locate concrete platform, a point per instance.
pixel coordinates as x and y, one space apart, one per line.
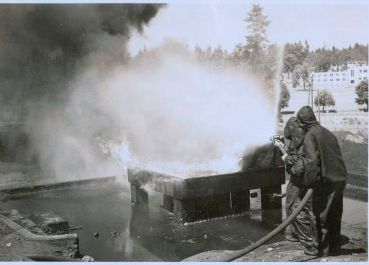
205 197
207 185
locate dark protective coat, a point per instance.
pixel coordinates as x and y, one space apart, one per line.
303 227
326 173
293 162
322 155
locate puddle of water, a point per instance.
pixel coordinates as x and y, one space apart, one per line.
141 233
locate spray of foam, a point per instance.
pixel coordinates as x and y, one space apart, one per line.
179 117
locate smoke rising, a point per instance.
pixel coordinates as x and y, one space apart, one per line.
43 48
66 73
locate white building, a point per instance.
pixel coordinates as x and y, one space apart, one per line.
336 76
340 81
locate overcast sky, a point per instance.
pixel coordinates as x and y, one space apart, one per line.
221 23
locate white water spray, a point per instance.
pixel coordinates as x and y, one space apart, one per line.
182 118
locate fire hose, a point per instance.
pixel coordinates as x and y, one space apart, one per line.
273 233
52 258
60 259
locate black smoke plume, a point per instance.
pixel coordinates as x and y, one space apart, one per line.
42 46
43 49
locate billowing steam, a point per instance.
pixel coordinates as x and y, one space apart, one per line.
177 116
64 71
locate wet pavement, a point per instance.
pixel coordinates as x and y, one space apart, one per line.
113 229
127 232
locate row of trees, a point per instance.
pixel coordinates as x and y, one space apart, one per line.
297 55
256 54
259 56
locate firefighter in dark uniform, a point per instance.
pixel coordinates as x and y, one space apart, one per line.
326 173
302 229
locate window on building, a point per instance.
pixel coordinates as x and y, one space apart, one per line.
352 81
365 71
331 74
337 79
352 72
331 79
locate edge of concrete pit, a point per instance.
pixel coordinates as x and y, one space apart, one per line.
46 237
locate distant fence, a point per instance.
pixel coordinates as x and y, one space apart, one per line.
358 180
357 187
347 121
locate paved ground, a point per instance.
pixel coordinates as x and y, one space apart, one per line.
15 175
353 249
14 247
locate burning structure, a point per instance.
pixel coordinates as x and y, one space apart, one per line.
204 197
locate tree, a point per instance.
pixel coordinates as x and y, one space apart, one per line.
294 54
361 91
218 58
284 96
239 56
199 53
324 98
256 42
270 65
208 53
323 60
301 72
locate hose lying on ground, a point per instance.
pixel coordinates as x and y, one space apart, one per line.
52 258
273 233
62 259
